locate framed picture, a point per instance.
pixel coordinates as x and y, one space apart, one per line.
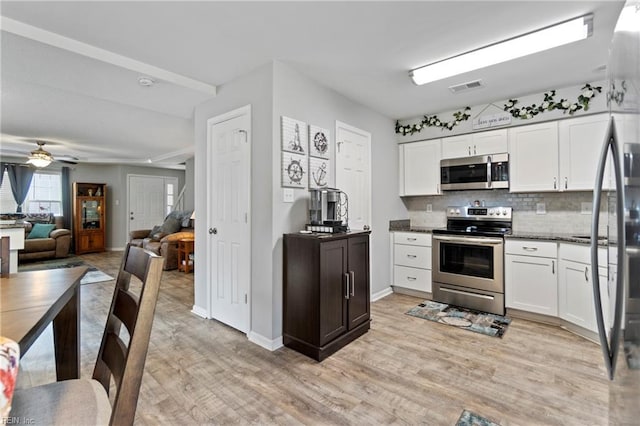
319 172
294 135
319 144
294 170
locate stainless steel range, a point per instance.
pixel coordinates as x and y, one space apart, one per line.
468 258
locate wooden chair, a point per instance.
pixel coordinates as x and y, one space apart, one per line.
4 257
85 401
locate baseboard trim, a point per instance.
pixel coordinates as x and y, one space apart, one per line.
411 292
114 248
264 342
201 312
380 294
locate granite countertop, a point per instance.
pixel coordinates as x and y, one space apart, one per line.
562 237
405 226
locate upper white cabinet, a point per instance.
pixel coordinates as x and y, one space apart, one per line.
557 156
533 157
581 141
420 167
482 143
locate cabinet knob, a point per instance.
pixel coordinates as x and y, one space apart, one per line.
366 227
213 231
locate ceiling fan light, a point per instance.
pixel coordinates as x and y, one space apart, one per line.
517 47
40 158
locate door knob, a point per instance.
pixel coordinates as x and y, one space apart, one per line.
213 230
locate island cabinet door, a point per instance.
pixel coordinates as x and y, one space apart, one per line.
358 270
333 289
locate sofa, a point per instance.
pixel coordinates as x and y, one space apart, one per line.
51 245
163 239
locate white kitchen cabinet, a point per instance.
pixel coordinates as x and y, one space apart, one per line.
420 167
531 276
533 158
412 260
481 143
575 290
580 141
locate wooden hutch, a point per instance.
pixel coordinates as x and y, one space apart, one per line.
89 217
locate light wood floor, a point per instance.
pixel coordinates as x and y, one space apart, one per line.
404 371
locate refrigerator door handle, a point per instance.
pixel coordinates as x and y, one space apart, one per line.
609 348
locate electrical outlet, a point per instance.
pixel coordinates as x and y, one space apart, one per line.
585 208
541 208
429 208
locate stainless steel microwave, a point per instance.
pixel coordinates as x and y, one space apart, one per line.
479 172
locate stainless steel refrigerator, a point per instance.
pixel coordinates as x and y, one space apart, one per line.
616 212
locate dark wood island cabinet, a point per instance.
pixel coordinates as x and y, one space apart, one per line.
326 291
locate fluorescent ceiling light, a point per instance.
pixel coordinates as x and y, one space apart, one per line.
527 44
629 19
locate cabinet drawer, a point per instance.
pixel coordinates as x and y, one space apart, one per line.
412 238
414 256
582 253
531 248
413 278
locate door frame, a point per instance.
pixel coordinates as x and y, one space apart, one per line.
239 112
164 195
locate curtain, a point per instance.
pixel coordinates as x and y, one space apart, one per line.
66 198
2 167
20 178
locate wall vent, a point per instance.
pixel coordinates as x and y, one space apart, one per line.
466 86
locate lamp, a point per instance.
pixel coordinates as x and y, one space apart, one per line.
517 47
40 158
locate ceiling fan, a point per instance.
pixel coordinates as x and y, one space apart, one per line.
41 158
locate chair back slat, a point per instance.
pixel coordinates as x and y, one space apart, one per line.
4 257
126 309
126 362
114 356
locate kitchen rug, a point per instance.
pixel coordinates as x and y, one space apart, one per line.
468 319
467 418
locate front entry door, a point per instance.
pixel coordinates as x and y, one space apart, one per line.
147 200
229 245
353 172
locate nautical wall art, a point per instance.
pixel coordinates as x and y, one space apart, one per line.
319 145
294 170
319 172
294 135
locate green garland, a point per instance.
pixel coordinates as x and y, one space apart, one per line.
548 104
434 121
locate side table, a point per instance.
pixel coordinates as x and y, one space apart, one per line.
185 255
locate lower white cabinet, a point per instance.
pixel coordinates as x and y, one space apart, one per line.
412 260
575 296
531 276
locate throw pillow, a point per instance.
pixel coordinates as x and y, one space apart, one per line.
40 230
155 230
171 225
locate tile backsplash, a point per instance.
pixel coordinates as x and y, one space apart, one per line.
563 210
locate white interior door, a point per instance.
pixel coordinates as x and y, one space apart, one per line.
147 200
353 172
229 246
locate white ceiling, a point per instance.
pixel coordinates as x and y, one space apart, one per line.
97 112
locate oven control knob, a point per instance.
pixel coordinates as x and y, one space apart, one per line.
503 211
491 211
457 211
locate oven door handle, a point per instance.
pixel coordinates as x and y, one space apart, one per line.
477 240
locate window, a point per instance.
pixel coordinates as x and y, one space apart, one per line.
45 194
169 187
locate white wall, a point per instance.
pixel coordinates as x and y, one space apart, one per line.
273 91
299 97
253 89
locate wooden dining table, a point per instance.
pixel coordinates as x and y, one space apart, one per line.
30 301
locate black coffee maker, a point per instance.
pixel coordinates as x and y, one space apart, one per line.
328 210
